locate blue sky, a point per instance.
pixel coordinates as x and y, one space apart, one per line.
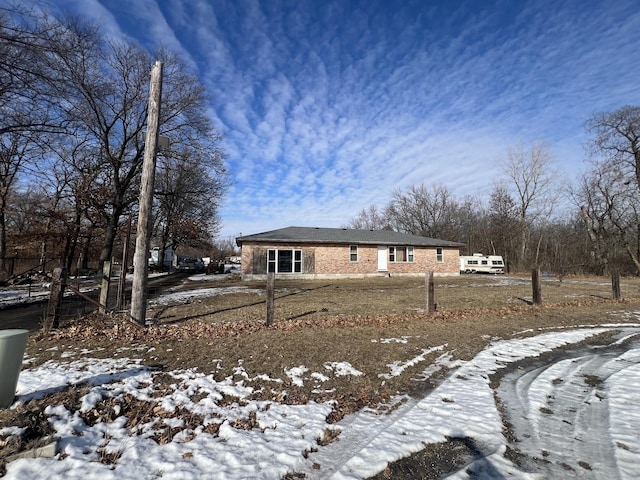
326 107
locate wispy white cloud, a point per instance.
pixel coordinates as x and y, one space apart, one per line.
326 107
92 10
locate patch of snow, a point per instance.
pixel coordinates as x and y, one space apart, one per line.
342 369
283 439
398 367
188 295
295 374
403 339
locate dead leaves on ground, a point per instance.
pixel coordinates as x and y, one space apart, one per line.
120 327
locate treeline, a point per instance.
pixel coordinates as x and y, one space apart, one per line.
73 106
533 217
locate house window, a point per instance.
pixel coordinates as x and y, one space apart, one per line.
439 255
353 253
284 261
401 254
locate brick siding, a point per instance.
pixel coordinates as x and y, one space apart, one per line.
334 260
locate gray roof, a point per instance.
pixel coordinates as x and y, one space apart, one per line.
344 235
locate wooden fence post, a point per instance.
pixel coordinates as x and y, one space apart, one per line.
58 283
535 284
104 290
120 300
429 292
615 284
271 284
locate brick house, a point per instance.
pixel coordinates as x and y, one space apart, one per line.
305 252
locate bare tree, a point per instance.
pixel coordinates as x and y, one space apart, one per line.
106 87
429 212
470 225
15 151
188 191
610 189
608 206
28 84
224 247
616 137
28 102
502 223
532 179
370 218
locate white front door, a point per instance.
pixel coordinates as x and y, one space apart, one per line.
382 259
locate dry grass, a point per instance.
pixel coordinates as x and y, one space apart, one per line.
319 322
317 299
340 321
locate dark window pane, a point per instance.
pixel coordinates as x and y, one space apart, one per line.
285 261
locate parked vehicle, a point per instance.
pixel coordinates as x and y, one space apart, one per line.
154 259
479 263
190 264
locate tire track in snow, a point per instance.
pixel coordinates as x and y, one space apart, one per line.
560 413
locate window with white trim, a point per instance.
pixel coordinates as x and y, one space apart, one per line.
284 261
401 254
439 255
353 253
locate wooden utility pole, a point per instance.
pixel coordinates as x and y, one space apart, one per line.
145 221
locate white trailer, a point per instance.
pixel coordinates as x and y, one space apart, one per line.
479 263
169 262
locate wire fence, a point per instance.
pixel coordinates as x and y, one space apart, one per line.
34 291
18 269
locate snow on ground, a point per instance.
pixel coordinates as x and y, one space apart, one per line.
23 295
187 296
578 413
39 292
579 429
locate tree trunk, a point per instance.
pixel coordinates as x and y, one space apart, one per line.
3 240
58 284
83 260
523 243
71 243
537 260
43 255
598 247
633 256
110 235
